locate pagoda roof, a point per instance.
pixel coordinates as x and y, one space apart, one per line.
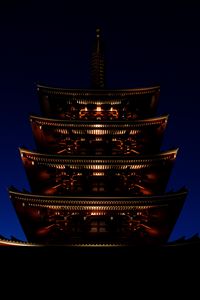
45 158
103 202
112 124
186 243
47 90
4 242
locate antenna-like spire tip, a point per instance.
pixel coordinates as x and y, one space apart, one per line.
98 32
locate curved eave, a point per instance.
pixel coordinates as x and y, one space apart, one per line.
177 243
53 158
34 199
79 123
47 90
11 243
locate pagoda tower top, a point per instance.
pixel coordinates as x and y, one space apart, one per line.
98 63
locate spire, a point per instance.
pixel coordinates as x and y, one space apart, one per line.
97 63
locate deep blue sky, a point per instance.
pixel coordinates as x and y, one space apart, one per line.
146 44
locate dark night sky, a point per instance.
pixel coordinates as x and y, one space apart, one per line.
146 44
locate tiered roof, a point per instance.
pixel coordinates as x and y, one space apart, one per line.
71 103
52 174
73 137
95 202
41 216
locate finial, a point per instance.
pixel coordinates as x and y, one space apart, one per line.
98 32
97 62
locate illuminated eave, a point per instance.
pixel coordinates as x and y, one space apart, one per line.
112 124
12 243
9 242
94 160
89 201
46 90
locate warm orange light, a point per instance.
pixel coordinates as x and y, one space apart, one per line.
151 230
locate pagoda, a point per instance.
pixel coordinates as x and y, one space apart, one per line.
97 176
